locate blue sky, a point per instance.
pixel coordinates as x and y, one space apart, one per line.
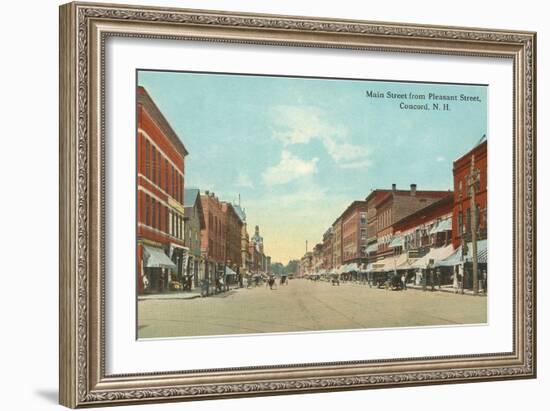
299 150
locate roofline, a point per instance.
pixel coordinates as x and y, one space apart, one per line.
144 98
447 199
465 155
407 193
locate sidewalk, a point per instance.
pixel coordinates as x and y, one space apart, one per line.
444 289
179 295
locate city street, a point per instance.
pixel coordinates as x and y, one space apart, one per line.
305 305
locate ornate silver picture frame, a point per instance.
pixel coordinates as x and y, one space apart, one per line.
85 28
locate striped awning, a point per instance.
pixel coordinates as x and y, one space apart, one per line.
397 241
442 226
155 258
457 258
371 248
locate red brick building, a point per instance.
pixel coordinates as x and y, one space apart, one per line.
233 226
428 227
213 236
337 242
354 232
462 203
161 254
392 206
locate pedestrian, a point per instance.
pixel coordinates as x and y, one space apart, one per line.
455 279
222 284
145 281
404 281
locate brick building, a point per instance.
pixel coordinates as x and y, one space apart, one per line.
354 232
462 203
245 239
327 249
161 252
233 226
428 227
213 236
337 242
396 204
317 258
194 223
372 201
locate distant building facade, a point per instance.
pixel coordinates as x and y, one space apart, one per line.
213 236
327 249
354 232
337 242
194 223
233 226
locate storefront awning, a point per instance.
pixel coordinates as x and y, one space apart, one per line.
393 263
155 258
229 271
372 248
397 241
435 254
457 258
442 226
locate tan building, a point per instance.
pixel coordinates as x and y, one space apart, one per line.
327 249
306 264
337 243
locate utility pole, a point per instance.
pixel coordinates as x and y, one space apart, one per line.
473 181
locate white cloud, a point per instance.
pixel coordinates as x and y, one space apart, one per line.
302 124
243 180
440 159
290 168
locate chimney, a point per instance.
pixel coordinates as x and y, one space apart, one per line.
413 190
394 187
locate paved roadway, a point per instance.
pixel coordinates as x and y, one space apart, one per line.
305 306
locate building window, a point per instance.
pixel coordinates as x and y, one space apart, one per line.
153 213
147 210
166 220
158 169
363 218
173 193
166 187
153 164
147 159
468 220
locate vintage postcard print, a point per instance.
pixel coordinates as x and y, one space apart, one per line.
271 204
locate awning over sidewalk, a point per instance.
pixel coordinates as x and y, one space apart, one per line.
371 248
397 241
394 262
456 257
442 226
435 254
229 271
155 258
